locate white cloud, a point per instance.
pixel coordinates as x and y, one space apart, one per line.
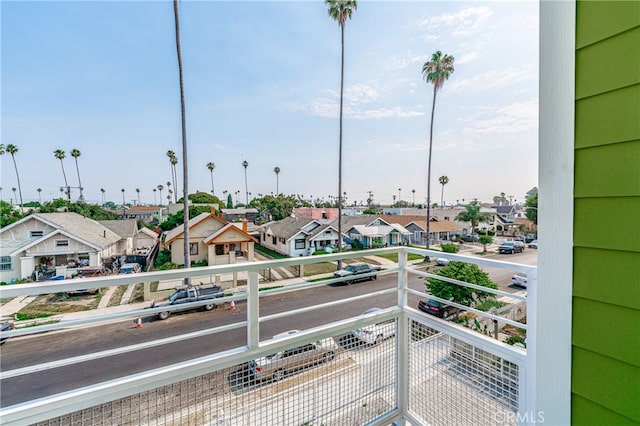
466 58
460 24
494 79
514 118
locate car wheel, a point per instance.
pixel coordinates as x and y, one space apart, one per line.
164 315
349 282
378 340
374 277
278 375
209 307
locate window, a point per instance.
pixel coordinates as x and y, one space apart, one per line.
219 249
193 248
274 240
5 263
62 243
36 233
300 244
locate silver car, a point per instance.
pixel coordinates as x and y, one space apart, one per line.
375 333
280 364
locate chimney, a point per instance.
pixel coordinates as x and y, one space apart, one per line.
244 225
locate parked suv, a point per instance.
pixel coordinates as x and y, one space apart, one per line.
374 334
280 364
130 268
511 247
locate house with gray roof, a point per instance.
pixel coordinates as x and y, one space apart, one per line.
49 240
372 231
297 237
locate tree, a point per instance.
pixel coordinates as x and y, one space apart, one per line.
123 203
39 197
472 214
443 181
531 207
277 172
340 11
436 71
245 164
484 240
211 166
185 181
12 149
160 188
413 192
229 201
138 192
173 160
60 155
500 200
75 153
467 272
8 214
103 191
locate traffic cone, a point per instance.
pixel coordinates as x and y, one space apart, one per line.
138 322
232 306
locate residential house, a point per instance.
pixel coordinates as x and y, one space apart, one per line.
212 239
44 241
318 213
240 214
440 230
298 237
127 230
145 214
372 231
145 238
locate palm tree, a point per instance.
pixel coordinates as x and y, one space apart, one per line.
443 181
173 160
413 191
103 191
340 11
123 202
75 153
277 172
39 198
12 149
245 164
169 189
160 188
138 191
473 215
154 196
14 194
436 71
211 166
60 155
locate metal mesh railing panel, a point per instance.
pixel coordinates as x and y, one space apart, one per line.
451 382
357 386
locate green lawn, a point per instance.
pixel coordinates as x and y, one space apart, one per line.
394 256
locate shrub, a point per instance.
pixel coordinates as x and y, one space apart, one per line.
515 339
319 252
168 265
164 256
450 248
487 304
461 271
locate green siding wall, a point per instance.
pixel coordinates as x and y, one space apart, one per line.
606 279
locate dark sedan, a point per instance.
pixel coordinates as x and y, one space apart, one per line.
436 308
6 326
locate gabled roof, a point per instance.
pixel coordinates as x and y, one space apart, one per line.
148 232
125 228
228 228
365 219
289 227
53 234
178 231
503 209
320 230
380 231
74 226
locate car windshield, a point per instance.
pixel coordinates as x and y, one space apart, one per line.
350 268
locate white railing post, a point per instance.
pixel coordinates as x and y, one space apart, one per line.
253 311
403 339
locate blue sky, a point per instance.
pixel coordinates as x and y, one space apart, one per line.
262 85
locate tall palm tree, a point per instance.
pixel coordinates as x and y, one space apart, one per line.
277 172
75 153
211 166
185 181
39 197
443 181
340 11
123 202
436 71
245 164
138 192
12 149
473 215
103 191
173 160
154 196
413 192
60 155
15 197
160 188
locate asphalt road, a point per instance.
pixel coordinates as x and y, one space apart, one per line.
32 350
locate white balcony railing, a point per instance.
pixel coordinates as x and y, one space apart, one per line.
426 371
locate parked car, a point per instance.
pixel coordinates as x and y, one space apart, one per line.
469 238
6 326
511 247
520 244
130 268
88 272
533 244
519 279
353 273
280 364
436 308
441 261
185 294
375 333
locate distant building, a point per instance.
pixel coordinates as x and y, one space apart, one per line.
317 213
